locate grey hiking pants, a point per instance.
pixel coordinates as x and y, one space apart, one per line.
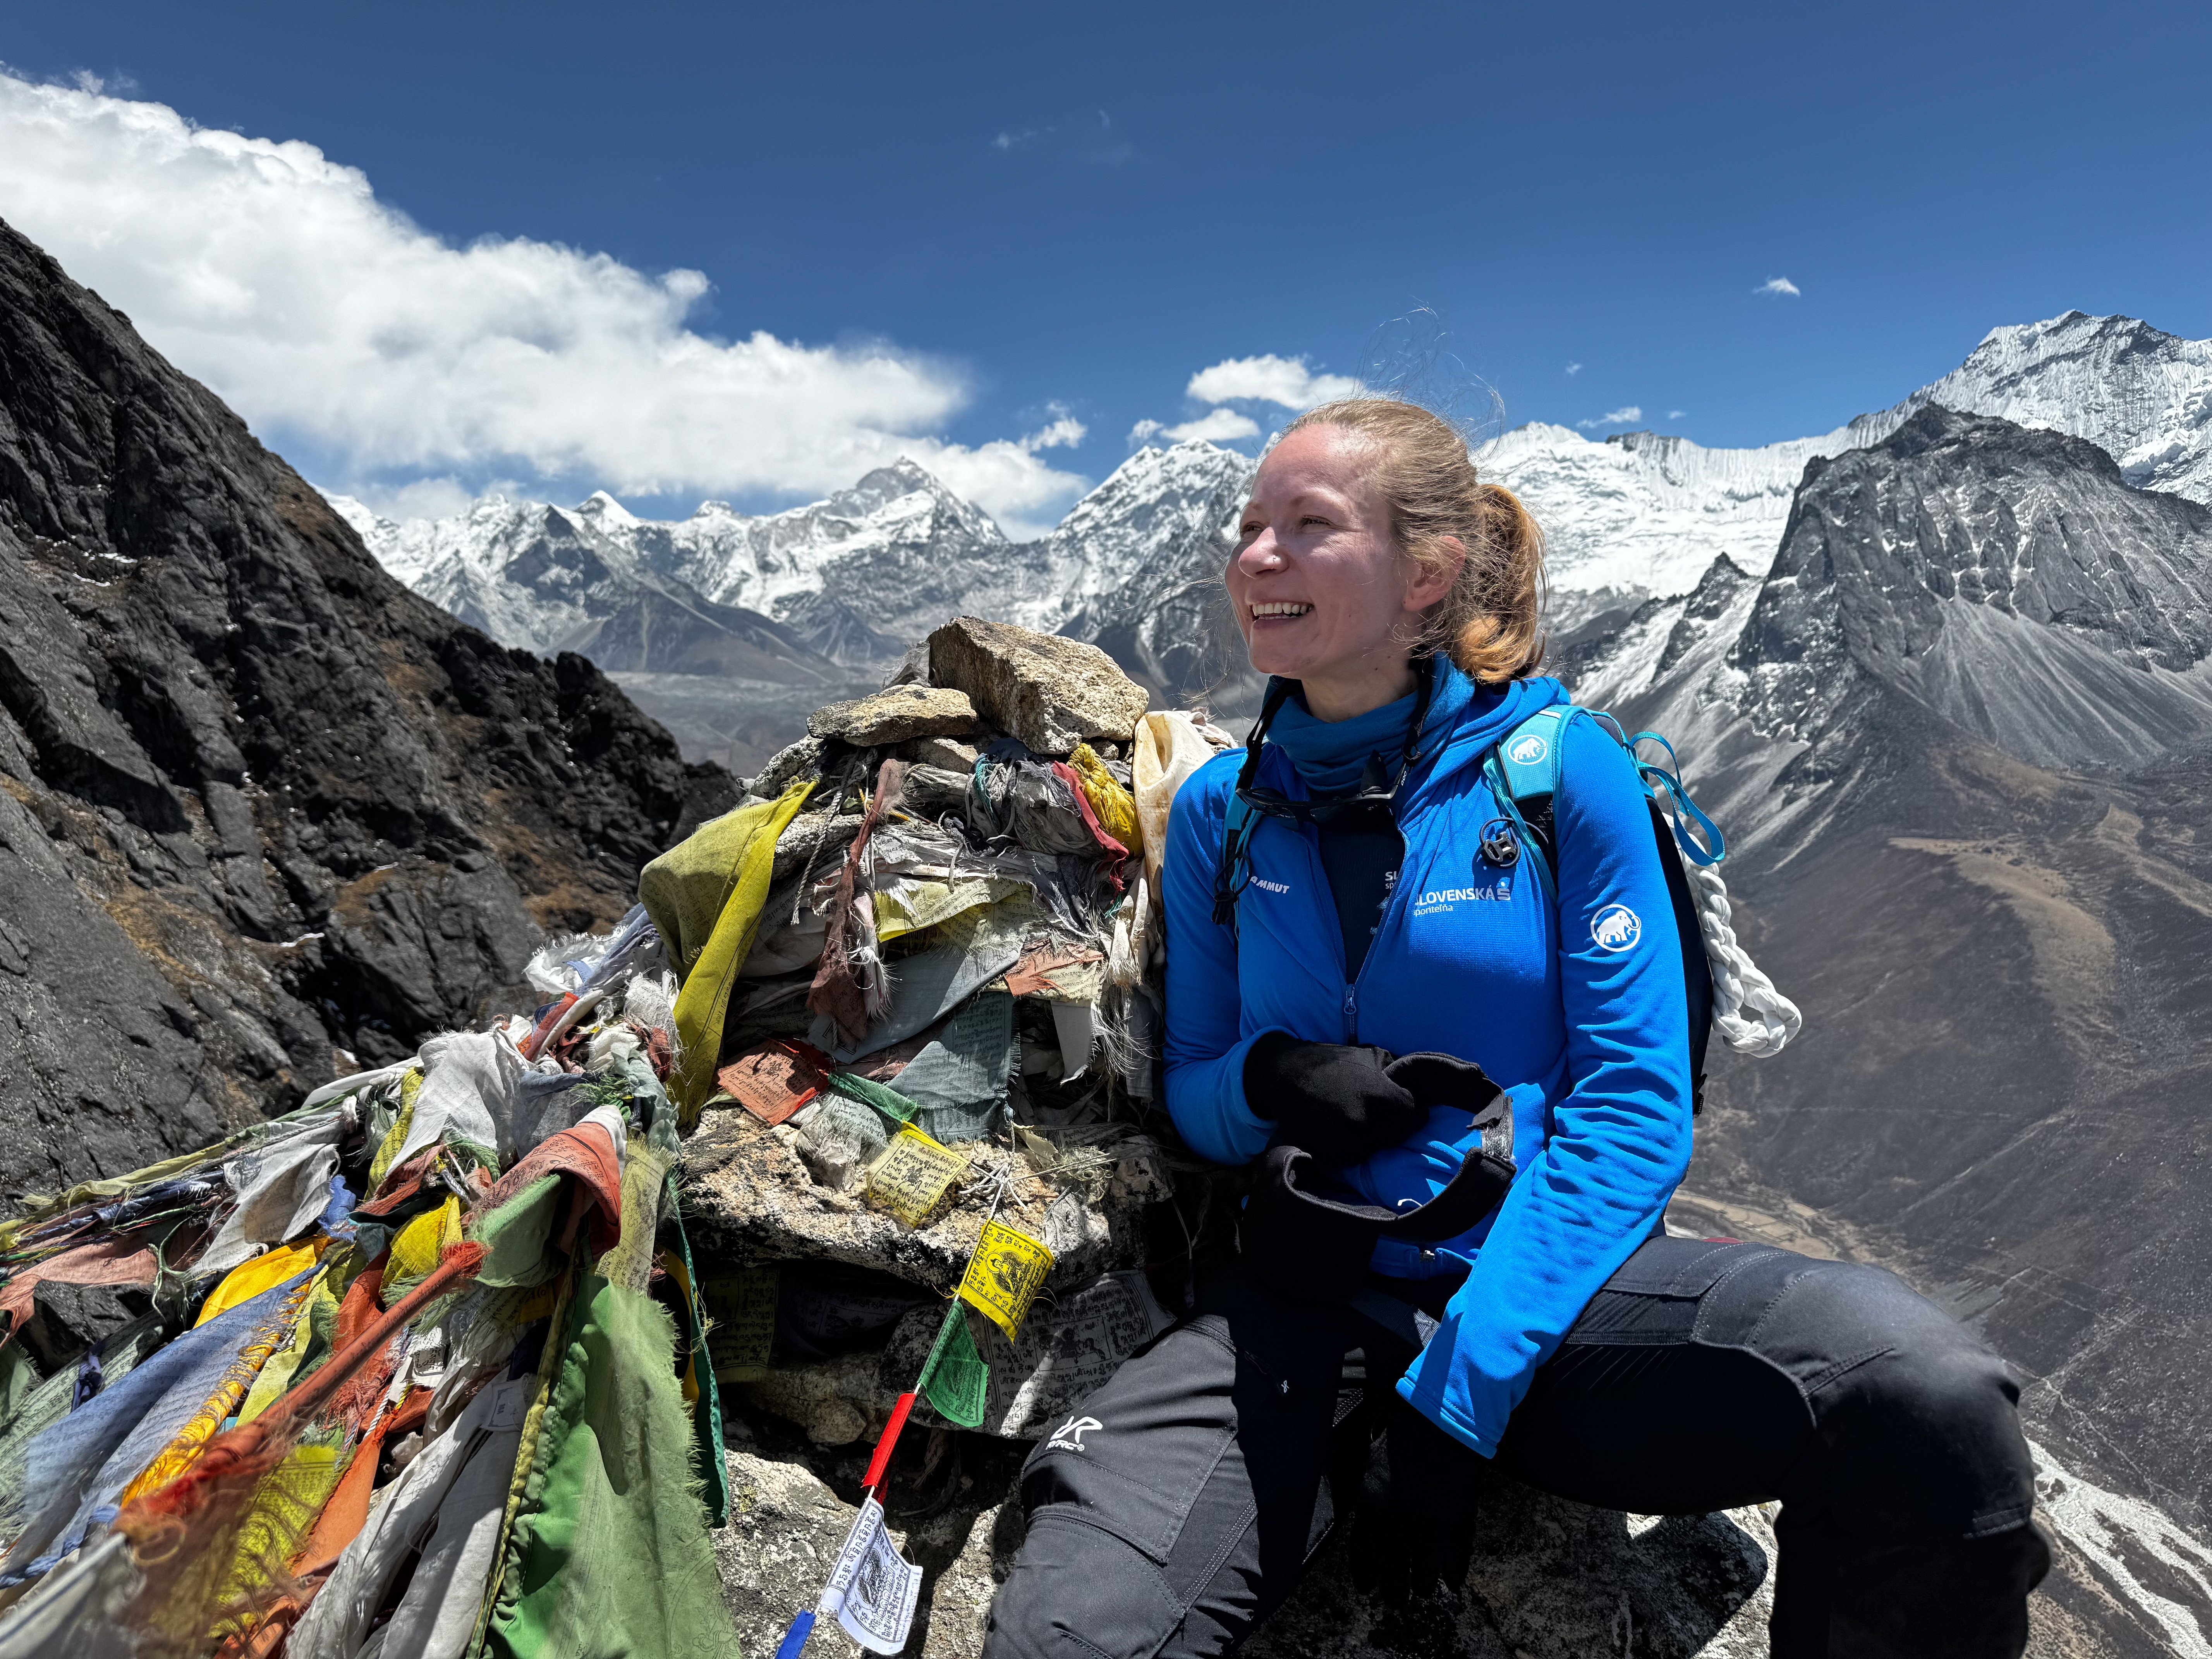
1179 1503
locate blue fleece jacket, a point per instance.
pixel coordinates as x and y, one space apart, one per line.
1577 1008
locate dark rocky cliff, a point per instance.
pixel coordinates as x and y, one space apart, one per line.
257 800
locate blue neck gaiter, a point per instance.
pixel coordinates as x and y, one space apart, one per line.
1330 756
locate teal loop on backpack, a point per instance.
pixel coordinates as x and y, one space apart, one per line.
1710 849
1705 847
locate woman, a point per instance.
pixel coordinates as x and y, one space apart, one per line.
1377 911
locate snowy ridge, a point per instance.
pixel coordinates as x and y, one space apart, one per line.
2143 396
1639 514
853 579
757 562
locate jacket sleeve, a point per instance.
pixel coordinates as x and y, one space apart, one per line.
1621 1138
1205 1045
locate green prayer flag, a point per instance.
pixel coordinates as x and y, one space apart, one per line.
889 1102
955 1378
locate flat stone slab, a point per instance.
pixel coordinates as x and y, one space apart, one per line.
1051 693
898 715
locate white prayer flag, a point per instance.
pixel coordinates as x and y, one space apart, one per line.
872 1588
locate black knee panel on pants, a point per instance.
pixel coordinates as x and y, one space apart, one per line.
1919 1421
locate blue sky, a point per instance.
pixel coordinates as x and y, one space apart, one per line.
1047 214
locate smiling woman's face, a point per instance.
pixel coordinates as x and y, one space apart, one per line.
1322 592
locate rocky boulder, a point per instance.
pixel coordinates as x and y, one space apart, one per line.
896 715
749 1196
1049 692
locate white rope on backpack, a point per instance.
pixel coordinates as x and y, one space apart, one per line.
1752 1017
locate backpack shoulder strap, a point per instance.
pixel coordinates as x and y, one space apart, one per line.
1522 770
1237 823
1529 753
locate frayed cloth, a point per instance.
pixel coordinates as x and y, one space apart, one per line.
706 898
850 978
959 1079
981 946
110 1261
84 1462
283 1190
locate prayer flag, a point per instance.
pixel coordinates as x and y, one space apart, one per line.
1004 1275
957 1378
909 1175
771 1081
872 1588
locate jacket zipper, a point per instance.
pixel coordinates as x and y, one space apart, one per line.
1389 908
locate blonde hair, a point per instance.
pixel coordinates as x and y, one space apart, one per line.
1490 624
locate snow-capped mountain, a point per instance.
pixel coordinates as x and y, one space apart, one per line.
833 591
1959 733
1638 515
553 579
827 595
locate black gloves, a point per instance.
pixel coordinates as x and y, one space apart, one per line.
1306 1239
1345 1104
1334 1101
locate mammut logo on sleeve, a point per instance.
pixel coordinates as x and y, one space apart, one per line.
1069 1437
1616 928
1528 751
1270 886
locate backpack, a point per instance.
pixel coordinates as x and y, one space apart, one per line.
1522 770
1724 987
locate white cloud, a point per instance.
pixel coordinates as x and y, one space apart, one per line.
329 320
1285 380
1676 414
1218 426
1574 368
1626 415
1065 432
1778 286
431 498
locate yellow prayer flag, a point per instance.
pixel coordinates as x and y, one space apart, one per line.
264 1271
909 1176
1004 1276
705 896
